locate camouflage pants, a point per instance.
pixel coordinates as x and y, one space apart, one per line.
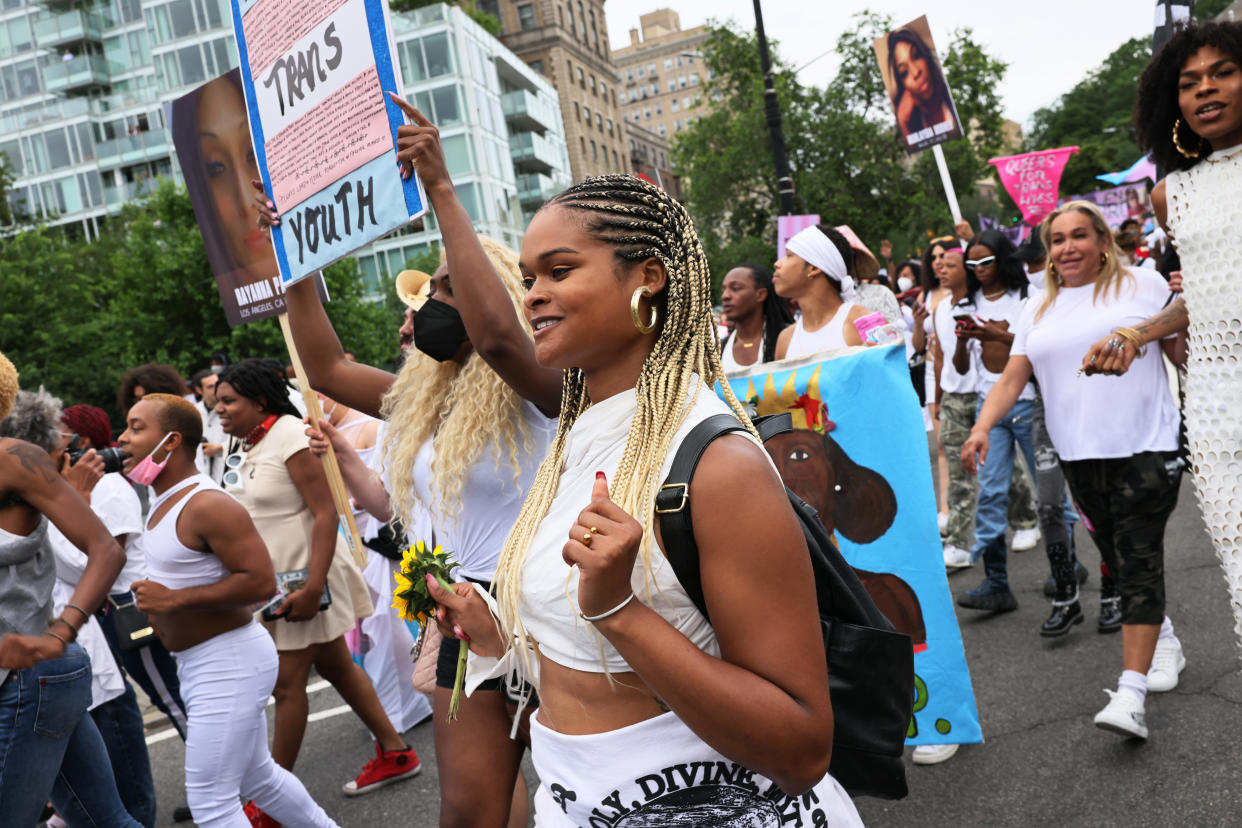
957 416
1125 503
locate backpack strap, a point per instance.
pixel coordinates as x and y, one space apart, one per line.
672 504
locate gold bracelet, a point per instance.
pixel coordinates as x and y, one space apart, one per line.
1134 338
58 638
62 620
77 628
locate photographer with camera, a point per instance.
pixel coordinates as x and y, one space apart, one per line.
91 465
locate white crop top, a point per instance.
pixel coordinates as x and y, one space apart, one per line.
826 338
169 561
549 603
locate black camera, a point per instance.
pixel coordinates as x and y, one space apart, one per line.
113 458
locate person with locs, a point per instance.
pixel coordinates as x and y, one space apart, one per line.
957 395
50 746
1189 115
206 566
997 287
816 273
1117 436
749 301
470 416
631 677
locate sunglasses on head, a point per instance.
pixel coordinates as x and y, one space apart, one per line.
971 264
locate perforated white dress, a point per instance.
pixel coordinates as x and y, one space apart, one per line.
1205 218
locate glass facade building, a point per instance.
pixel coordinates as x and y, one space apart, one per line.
83 87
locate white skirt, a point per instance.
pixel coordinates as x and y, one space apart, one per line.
659 773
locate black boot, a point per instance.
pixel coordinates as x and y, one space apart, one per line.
1110 607
1050 585
1066 612
993 595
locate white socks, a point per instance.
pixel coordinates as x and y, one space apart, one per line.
1133 682
1166 630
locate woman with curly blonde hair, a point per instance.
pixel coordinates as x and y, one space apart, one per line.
469 418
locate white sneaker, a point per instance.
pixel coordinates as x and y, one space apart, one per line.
1123 714
955 557
942 520
1166 663
1024 539
933 754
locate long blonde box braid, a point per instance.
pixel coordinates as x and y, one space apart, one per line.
639 221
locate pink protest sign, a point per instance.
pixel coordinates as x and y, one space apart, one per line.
1032 180
788 226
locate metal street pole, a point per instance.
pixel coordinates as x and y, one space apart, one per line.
772 110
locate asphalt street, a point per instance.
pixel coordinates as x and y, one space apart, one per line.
1043 763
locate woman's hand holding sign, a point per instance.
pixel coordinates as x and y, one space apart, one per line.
418 148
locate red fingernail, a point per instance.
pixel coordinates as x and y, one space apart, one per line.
599 475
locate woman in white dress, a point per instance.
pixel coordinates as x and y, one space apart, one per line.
1189 115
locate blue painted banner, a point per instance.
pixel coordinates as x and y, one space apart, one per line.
315 74
859 456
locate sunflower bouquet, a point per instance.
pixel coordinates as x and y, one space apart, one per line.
413 601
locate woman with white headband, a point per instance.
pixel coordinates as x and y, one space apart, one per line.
816 273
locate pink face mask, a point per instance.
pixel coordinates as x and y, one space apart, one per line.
145 472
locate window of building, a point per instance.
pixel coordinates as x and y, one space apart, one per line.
647 114
526 17
672 85
615 162
679 61
594 151
660 129
651 68
694 79
582 140
599 122
603 89
577 111
655 89
610 127
668 64
582 19
659 110
641 72
682 81
673 105
677 125
560 15
457 154
591 78
685 102
537 65
586 110
581 78
623 96
441 105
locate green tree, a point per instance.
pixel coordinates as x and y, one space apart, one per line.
7 177
1095 116
1207 9
75 315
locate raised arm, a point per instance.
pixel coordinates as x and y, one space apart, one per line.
492 324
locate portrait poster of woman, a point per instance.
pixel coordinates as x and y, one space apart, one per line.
211 133
917 87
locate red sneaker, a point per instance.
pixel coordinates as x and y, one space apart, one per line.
384 769
257 818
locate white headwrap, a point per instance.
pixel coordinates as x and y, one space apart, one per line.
817 249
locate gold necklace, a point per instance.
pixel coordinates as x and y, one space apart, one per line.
1212 160
994 296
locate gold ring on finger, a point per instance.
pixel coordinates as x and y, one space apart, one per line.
586 539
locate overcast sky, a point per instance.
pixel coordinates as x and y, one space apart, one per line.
1049 45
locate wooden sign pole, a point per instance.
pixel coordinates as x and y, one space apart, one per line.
340 497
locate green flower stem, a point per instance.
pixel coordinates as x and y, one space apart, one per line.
463 650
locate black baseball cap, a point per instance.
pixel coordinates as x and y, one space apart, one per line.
1031 250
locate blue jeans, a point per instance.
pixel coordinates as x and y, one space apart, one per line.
1014 431
50 748
120 725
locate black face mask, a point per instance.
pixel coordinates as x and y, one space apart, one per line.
438 330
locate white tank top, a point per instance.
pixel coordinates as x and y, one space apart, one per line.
169 561
726 353
830 336
548 604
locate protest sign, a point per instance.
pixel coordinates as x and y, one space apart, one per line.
858 455
315 73
211 132
1120 203
789 226
1032 180
922 102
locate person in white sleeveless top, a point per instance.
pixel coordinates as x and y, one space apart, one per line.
748 299
631 677
206 566
1189 113
470 416
816 274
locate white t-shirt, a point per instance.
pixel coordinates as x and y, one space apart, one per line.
1005 308
1095 417
116 504
951 382
490 500
1036 278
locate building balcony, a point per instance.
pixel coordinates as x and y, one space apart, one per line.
534 189
55 30
127 192
527 112
532 153
76 75
133 149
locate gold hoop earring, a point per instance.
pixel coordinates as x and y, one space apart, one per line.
1177 144
643 327
1104 258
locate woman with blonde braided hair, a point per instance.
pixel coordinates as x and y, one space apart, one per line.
647 711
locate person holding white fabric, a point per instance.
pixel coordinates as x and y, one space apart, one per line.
1117 436
816 273
206 566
